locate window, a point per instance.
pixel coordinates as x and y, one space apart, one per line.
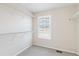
44 27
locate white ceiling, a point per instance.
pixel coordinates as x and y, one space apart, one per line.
38 7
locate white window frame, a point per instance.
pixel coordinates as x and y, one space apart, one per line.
44 32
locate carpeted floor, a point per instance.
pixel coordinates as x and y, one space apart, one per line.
41 51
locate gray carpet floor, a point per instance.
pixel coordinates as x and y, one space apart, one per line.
41 51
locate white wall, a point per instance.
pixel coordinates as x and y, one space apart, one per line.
63 30
77 33
12 22
77 30
12 44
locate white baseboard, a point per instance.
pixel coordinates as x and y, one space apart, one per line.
43 46
22 50
57 49
77 53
